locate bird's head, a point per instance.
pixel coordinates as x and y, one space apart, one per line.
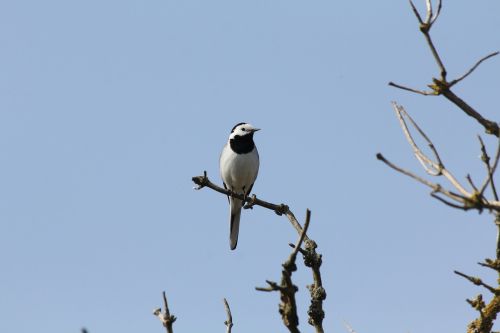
242 129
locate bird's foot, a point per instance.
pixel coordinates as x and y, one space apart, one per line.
282 209
251 202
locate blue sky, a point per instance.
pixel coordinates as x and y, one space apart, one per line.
108 108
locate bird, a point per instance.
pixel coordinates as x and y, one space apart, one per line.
239 166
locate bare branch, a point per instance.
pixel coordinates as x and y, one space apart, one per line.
203 181
440 4
434 168
441 86
491 127
431 167
493 264
484 323
273 286
318 293
421 92
471 183
435 187
429 11
415 11
288 306
497 223
478 282
490 169
166 318
302 236
229 321
453 82
448 203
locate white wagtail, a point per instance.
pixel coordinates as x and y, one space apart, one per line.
239 165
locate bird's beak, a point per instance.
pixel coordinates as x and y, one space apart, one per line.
255 129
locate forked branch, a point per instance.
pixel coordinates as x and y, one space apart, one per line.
460 197
441 86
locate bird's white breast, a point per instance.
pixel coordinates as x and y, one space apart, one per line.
239 171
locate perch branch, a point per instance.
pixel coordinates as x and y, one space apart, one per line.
282 209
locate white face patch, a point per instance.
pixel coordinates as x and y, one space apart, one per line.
242 130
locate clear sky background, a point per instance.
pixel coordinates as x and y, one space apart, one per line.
108 108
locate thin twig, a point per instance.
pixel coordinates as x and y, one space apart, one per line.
490 169
472 69
477 282
439 6
415 11
471 183
434 187
425 28
493 264
497 223
273 286
431 167
416 91
229 321
448 203
436 167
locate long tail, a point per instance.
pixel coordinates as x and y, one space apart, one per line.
235 214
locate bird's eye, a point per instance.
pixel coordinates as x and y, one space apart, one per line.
243 129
